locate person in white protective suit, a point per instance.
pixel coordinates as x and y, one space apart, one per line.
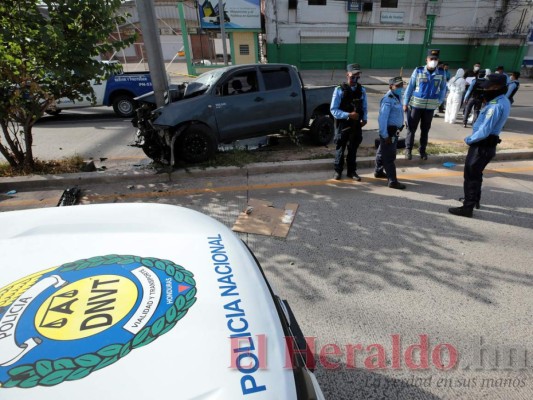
456 89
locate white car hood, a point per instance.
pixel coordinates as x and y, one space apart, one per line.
132 301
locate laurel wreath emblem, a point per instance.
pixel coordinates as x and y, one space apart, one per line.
53 372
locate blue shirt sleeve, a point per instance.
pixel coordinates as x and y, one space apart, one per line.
490 123
443 90
335 103
383 118
510 88
365 106
469 91
410 88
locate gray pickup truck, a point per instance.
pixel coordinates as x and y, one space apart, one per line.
227 104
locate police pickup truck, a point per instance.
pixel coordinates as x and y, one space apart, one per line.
119 91
141 301
231 103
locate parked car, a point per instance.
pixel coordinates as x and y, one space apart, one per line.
231 103
118 91
139 301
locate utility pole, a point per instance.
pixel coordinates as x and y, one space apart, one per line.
221 18
147 18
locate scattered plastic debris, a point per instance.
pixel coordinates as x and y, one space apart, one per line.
449 164
69 197
11 192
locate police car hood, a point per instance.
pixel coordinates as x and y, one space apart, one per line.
133 301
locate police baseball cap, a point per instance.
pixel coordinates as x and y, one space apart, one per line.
396 81
353 68
494 79
434 53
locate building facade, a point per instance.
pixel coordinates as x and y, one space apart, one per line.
203 39
328 34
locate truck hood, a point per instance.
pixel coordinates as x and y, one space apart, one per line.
131 301
175 92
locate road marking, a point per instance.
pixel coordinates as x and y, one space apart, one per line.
242 188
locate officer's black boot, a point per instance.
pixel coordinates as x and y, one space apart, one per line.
462 211
408 155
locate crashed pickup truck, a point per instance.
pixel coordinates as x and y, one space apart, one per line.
227 104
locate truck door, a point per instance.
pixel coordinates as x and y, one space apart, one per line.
238 110
282 97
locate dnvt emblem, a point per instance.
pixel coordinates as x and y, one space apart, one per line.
56 325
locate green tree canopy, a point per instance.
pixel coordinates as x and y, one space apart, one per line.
50 50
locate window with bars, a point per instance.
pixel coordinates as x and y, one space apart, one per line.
244 49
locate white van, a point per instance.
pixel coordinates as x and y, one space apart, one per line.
139 301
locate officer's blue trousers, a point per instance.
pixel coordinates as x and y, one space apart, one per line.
348 134
385 157
417 116
476 160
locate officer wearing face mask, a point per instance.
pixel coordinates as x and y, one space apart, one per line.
349 108
425 92
483 141
390 122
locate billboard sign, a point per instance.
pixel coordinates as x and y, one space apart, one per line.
237 14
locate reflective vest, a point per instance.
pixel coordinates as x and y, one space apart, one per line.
427 89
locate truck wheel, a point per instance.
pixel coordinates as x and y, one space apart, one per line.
124 106
156 152
53 112
322 130
196 144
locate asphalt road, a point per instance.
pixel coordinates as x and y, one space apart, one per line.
363 263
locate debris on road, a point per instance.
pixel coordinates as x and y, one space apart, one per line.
262 218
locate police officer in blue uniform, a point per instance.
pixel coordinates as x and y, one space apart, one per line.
472 99
483 141
513 86
390 121
425 92
349 108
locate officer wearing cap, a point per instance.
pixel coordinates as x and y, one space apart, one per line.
425 92
349 108
483 141
390 122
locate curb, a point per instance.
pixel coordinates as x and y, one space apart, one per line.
39 182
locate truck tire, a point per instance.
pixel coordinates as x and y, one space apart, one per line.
322 130
196 144
124 106
156 152
53 112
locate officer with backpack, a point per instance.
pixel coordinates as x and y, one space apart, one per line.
425 92
473 97
513 86
349 108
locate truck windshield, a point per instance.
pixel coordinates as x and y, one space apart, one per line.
208 78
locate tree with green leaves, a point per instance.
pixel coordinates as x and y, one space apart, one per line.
49 50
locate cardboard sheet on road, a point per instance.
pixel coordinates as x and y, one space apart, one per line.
261 218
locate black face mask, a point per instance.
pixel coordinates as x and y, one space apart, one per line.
354 81
489 95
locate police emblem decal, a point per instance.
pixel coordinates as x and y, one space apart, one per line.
56 325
